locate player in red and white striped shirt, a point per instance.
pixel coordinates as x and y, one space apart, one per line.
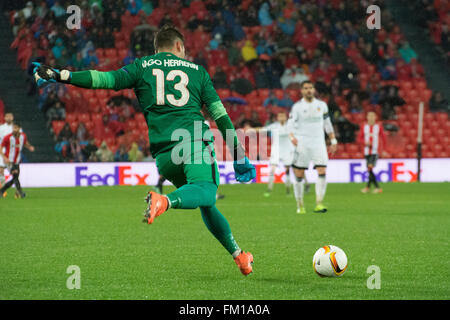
13 144
370 135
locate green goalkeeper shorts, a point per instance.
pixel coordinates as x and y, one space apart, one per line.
189 163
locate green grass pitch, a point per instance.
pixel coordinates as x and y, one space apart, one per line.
404 231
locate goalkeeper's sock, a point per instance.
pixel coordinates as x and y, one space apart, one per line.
194 195
2 180
218 225
321 188
299 189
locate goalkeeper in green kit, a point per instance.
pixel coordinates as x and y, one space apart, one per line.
171 92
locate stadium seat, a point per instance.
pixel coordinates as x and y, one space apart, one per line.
84 117
87 94
442 117
71 117
406 86
73 126
425 95
429 116
57 126
420 85
101 93
89 126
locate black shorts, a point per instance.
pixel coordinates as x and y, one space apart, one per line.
371 160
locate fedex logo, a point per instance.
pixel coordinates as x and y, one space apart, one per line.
120 177
262 171
395 172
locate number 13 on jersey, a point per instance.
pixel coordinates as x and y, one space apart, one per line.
181 86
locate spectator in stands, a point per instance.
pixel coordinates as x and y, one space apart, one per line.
50 101
286 102
249 17
107 40
81 133
248 51
65 133
345 130
121 154
76 151
264 15
220 78
89 151
135 155
438 103
134 6
56 112
293 75
78 62
389 99
348 75
262 79
406 52
234 54
104 154
114 21
90 58
129 58
354 103
57 9
58 48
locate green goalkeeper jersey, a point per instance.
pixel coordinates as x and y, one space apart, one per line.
171 92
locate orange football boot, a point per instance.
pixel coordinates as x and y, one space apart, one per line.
157 205
244 261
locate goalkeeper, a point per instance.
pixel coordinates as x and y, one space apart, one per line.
171 92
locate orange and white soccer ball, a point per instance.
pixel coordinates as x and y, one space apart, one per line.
330 261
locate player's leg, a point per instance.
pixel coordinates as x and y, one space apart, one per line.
287 179
299 188
15 175
160 183
320 159
271 179
300 163
369 166
218 225
197 183
372 176
307 185
2 175
19 191
321 188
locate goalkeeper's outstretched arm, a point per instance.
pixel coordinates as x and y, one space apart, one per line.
123 78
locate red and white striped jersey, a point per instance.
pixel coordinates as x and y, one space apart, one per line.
370 136
13 146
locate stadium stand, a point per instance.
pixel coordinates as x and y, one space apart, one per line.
257 53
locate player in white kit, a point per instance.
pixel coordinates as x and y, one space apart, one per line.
307 122
282 150
5 129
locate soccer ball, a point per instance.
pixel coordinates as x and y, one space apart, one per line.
330 261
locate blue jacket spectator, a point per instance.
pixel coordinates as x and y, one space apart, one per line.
264 15
91 57
134 6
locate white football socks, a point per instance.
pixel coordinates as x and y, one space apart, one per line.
321 188
271 179
299 189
